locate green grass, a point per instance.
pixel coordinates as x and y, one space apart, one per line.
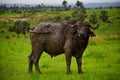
9 15
101 59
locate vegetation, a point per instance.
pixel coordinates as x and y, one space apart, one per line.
80 12
80 6
93 18
101 59
20 27
64 3
104 16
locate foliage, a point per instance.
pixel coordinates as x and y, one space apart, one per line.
80 6
79 15
27 15
21 27
75 13
64 3
26 8
67 17
104 16
17 27
57 18
93 18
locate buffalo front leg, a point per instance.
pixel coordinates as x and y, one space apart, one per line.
68 55
68 62
79 64
79 61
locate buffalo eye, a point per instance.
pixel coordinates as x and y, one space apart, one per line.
73 30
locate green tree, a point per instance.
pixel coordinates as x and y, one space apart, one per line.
17 28
21 27
57 18
93 18
81 16
78 15
74 13
25 26
80 6
64 3
104 16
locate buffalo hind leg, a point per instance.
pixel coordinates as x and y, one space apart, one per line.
30 62
36 61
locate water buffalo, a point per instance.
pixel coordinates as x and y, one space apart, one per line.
58 38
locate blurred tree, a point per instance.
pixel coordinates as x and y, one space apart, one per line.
75 13
67 17
93 18
79 13
104 16
21 27
80 6
57 18
17 28
80 16
64 3
25 26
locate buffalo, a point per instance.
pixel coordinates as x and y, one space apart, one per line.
59 38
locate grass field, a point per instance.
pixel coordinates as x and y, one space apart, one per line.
101 59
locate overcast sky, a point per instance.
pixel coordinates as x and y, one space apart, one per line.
53 1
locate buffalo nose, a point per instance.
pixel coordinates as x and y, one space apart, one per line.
81 33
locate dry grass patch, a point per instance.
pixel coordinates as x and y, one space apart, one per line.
98 38
114 36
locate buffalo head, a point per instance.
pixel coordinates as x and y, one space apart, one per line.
83 29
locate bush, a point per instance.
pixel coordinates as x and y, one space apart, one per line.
57 18
104 15
20 27
93 18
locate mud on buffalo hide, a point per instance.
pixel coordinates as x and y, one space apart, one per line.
46 28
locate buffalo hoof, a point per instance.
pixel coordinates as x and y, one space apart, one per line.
81 72
29 71
39 72
68 73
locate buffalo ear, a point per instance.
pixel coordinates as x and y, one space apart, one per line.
72 26
73 29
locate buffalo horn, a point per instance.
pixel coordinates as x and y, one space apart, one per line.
94 27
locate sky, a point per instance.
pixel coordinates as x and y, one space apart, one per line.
53 1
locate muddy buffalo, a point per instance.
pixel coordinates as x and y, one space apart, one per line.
58 38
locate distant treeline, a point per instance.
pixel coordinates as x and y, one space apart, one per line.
27 8
16 8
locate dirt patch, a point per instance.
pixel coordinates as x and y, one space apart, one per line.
13 19
115 36
98 38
